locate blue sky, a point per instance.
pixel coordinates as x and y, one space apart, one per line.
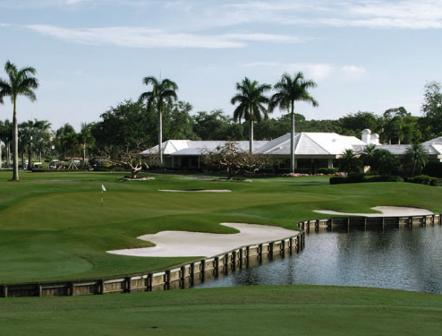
91 55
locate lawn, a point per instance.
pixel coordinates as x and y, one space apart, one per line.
255 310
55 227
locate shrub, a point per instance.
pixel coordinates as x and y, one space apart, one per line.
356 178
386 178
328 171
338 180
422 179
434 182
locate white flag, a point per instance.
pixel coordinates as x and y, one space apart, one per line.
103 188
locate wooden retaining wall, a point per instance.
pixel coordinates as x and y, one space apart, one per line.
371 222
178 277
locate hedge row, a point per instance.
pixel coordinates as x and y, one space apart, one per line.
361 178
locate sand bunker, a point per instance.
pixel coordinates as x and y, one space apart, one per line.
197 190
386 211
198 244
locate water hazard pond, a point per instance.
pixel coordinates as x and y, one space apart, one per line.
405 258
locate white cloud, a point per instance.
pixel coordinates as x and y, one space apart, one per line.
150 38
410 14
316 71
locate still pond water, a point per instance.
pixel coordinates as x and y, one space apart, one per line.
405 258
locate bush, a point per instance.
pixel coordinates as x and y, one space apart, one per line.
328 171
386 178
303 171
422 179
360 178
356 178
338 180
434 182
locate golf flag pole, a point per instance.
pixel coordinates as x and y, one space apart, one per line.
103 189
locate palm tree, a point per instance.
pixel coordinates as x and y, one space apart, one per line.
85 138
6 137
70 142
416 158
385 162
2 131
19 82
290 90
251 98
162 93
367 155
349 162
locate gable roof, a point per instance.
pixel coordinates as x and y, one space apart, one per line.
311 143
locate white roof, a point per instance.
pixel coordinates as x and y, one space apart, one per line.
307 143
196 147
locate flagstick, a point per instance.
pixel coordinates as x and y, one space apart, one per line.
102 196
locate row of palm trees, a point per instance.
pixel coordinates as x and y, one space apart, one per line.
20 82
253 104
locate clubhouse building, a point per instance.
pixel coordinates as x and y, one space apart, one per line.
313 150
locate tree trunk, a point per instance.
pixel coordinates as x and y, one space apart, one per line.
29 158
15 176
251 137
160 137
292 141
23 160
8 155
84 156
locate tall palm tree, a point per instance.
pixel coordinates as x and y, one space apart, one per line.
416 158
290 89
85 138
162 93
251 98
19 82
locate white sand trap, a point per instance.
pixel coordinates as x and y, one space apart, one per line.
385 211
198 244
198 190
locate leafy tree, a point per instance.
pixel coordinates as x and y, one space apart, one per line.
125 128
19 83
432 108
181 123
234 159
162 93
416 158
215 125
353 124
251 99
290 89
349 162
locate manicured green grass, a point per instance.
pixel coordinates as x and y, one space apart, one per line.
54 227
256 310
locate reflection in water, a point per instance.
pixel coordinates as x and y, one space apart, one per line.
405 258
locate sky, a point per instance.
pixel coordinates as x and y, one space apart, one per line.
91 55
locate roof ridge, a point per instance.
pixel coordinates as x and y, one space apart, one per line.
317 142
